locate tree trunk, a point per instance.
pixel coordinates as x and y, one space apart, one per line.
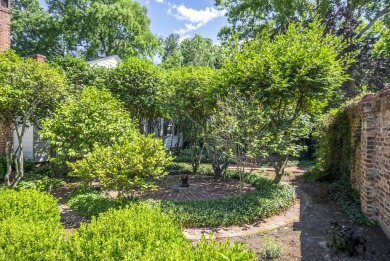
279 166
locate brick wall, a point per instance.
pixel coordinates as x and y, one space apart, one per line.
5 43
370 173
5 25
2 142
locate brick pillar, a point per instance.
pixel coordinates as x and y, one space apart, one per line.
39 57
5 24
368 135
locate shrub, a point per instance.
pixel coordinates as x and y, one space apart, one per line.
90 203
31 239
178 166
28 204
40 182
205 169
345 240
349 200
271 249
142 232
30 227
314 174
124 165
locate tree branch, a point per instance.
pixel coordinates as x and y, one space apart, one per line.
379 15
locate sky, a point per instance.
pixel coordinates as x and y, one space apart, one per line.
185 17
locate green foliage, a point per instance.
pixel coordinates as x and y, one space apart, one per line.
349 200
40 182
291 77
30 229
29 91
192 100
269 199
337 148
204 169
3 168
124 165
99 29
139 84
91 202
271 248
79 123
345 240
79 73
28 204
31 239
143 232
314 173
33 30
178 166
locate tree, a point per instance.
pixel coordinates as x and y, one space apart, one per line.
99 29
200 51
139 84
235 126
124 165
293 77
354 20
82 121
192 100
29 90
34 30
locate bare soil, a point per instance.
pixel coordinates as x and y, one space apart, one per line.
306 239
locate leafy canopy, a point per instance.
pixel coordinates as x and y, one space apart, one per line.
94 117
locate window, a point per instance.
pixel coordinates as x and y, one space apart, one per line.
4 3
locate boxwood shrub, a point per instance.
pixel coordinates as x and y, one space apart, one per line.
28 204
30 227
28 239
143 232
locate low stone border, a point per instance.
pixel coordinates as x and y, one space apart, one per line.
283 219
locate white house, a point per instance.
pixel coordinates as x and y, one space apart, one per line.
37 150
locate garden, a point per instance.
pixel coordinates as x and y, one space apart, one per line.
237 155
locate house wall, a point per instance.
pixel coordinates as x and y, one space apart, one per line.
27 143
370 172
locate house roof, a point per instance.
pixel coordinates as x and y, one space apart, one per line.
109 61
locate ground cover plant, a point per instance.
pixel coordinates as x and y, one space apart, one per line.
269 199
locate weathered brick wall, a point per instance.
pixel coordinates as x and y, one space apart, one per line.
5 43
5 25
2 142
370 173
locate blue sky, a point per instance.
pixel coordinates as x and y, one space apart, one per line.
186 18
